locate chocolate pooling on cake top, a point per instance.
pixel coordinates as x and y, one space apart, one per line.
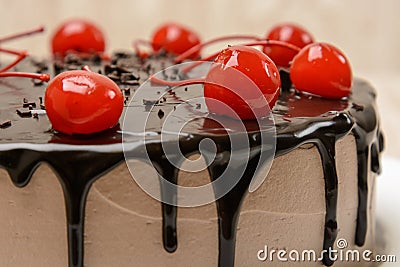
79 161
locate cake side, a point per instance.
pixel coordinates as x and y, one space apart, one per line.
124 224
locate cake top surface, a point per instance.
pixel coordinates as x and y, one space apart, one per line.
293 111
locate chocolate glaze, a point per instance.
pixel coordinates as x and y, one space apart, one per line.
79 161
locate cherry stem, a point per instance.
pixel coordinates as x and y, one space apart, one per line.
193 65
197 48
87 68
136 46
268 42
12 64
157 81
38 76
22 34
13 52
256 43
21 55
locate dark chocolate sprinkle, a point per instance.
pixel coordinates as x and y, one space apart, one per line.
357 107
24 112
5 124
37 82
149 102
160 114
130 82
114 76
29 104
41 66
109 69
127 91
286 83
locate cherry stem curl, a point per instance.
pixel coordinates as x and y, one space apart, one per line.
39 76
22 34
267 42
156 81
264 43
21 55
197 48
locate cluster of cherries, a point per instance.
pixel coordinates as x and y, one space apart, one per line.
84 102
316 68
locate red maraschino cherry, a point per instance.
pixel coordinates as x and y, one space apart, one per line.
289 33
174 38
79 36
83 102
229 81
171 38
323 70
242 83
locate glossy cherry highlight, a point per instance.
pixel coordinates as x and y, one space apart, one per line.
291 34
83 102
79 36
322 69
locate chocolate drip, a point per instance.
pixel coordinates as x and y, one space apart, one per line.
228 206
20 165
299 119
169 173
320 134
381 142
375 161
77 170
326 148
367 153
362 159
369 143
77 175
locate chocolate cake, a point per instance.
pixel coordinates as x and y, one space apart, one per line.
320 186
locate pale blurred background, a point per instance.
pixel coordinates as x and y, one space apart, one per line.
368 31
